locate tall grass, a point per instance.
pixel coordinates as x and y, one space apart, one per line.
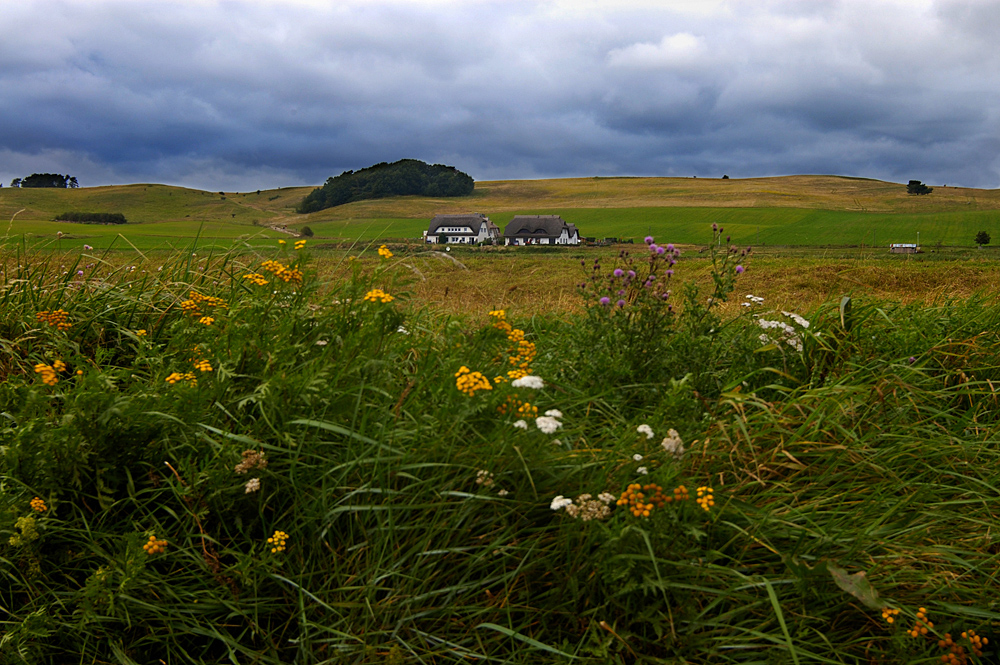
852 464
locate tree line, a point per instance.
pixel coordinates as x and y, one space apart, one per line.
92 217
46 180
402 178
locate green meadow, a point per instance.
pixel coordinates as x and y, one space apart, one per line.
793 210
273 455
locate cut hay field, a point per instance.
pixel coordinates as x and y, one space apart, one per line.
790 210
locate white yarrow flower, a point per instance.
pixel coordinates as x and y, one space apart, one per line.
637 457
560 502
642 471
673 445
528 381
547 424
798 319
645 429
521 424
502 492
555 413
252 485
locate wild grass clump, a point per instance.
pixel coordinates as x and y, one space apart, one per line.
241 463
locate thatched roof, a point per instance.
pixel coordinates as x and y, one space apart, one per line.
537 226
472 220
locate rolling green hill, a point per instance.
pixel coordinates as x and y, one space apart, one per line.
799 210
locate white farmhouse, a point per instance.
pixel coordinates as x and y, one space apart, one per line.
466 229
540 230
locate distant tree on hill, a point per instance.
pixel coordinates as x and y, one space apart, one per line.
49 180
306 232
917 187
402 178
982 238
16 182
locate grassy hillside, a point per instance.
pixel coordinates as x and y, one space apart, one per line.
807 210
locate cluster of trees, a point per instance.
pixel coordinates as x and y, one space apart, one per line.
46 180
402 178
92 217
917 187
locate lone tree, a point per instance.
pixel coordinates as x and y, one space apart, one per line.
982 238
917 187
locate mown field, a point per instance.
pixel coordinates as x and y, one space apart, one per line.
272 455
791 210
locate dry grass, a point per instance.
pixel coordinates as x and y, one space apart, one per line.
802 191
540 284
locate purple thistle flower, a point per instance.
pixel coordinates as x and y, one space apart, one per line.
665 295
739 270
670 273
618 272
87 247
621 292
912 360
605 300
715 227
79 272
671 248
631 273
649 240
621 303
660 251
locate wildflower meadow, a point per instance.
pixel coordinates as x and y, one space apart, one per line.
227 459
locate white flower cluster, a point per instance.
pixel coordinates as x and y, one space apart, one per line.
252 485
549 423
484 478
645 429
754 300
585 508
528 381
521 424
785 333
673 444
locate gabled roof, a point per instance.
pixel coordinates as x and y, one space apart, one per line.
538 225
472 220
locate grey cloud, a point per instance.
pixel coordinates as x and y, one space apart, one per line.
243 95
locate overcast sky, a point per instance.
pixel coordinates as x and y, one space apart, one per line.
244 95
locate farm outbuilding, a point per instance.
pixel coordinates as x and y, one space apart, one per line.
904 248
540 230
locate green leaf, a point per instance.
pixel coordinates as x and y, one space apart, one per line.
857 585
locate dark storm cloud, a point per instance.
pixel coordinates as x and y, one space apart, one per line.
246 95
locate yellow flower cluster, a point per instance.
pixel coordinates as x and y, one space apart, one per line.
277 541
284 273
378 295
889 614
521 351
140 333
50 373
56 318
190 307
469 382
956 653
517 407
923 624
384 252
176 377
281 242
207 320
299 244
705 498
255 278
38 505
635 497
203 365
154 546
209 301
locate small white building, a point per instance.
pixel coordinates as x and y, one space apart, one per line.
468 229
904 248
540 230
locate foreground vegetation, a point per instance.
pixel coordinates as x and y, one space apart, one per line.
228 458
